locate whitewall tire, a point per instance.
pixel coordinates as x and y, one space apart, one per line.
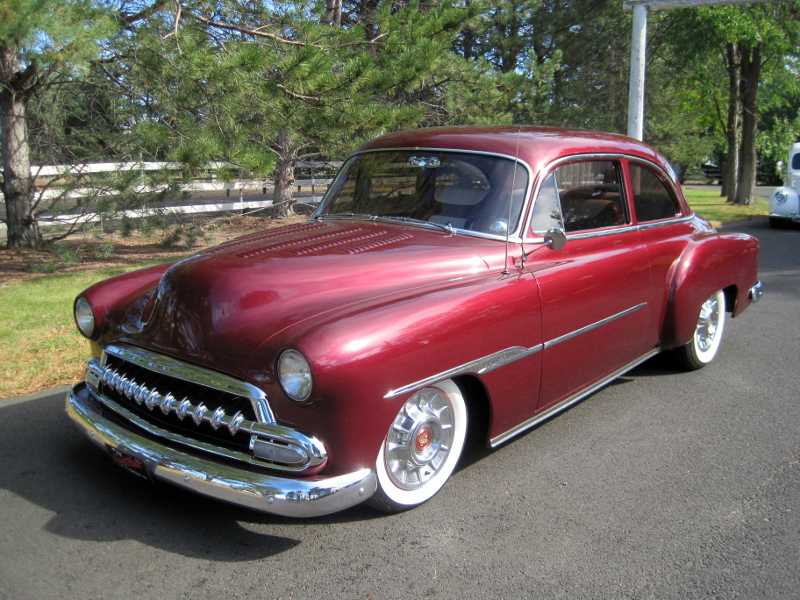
422 447
707 336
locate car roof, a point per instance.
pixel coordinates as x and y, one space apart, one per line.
537 146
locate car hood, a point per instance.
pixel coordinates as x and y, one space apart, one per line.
217 307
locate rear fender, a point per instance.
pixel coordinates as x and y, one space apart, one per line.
711 262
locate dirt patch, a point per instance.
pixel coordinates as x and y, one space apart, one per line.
89 251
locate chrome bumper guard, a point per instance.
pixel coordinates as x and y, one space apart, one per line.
756 292
273 494
794 217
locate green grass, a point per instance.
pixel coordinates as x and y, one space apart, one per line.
39 344
713 207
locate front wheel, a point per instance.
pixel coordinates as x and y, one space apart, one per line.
422 448
707 335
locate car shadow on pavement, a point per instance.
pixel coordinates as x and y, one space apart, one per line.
45 461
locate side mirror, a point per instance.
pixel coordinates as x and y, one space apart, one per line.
555 238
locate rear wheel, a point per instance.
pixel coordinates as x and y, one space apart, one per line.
422 448
705 342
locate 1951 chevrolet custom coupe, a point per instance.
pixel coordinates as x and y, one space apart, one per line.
481 276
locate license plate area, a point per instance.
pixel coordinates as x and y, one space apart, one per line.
130 462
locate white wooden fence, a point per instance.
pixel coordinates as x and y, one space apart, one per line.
310 190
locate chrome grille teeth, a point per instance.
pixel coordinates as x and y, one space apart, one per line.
235 422
199 411
153 399
183 408
108 376
167 403
216 418
113 380
140 392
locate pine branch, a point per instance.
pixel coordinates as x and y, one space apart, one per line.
254 32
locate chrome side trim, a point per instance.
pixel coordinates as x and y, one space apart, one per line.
581 235
504 357
178 369
310 497
597 233
566 403
664 223
587 328
478 367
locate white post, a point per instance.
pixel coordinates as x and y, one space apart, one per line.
638 55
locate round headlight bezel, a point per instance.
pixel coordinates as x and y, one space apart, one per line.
294 375
781 197
84 317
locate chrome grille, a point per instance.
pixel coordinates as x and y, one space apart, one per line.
192 406
176 404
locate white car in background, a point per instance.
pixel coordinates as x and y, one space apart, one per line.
784 203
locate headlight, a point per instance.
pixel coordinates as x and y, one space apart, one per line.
780 197
84 316
294 373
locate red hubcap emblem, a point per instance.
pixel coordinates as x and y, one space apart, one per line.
423 439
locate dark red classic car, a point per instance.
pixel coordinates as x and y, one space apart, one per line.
482 276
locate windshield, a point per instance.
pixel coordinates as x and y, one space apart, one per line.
471 192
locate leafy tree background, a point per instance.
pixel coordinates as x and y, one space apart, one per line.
259 86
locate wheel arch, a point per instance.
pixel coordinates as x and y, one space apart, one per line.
479 409
727 262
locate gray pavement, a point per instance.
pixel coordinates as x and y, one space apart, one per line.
663 485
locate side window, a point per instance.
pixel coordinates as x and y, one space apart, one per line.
547 208
652 200
591 195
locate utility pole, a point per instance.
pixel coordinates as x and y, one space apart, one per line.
639 51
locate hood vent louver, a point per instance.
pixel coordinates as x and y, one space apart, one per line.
316 246
280 233
376 244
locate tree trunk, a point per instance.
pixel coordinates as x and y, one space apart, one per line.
284 176
333 12
23 231
730 172
751 73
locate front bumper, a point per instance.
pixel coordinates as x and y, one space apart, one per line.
311 497
789 218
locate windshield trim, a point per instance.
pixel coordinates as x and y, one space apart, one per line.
514 236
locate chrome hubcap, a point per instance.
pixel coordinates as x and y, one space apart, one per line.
707 324
420 439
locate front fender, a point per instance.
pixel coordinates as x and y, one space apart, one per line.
784 202
111 298
361 356
711 262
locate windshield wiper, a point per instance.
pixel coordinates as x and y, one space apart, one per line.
347 215
446 227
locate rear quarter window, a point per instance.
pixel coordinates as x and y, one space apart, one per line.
652 199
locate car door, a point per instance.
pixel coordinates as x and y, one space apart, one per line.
595 291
